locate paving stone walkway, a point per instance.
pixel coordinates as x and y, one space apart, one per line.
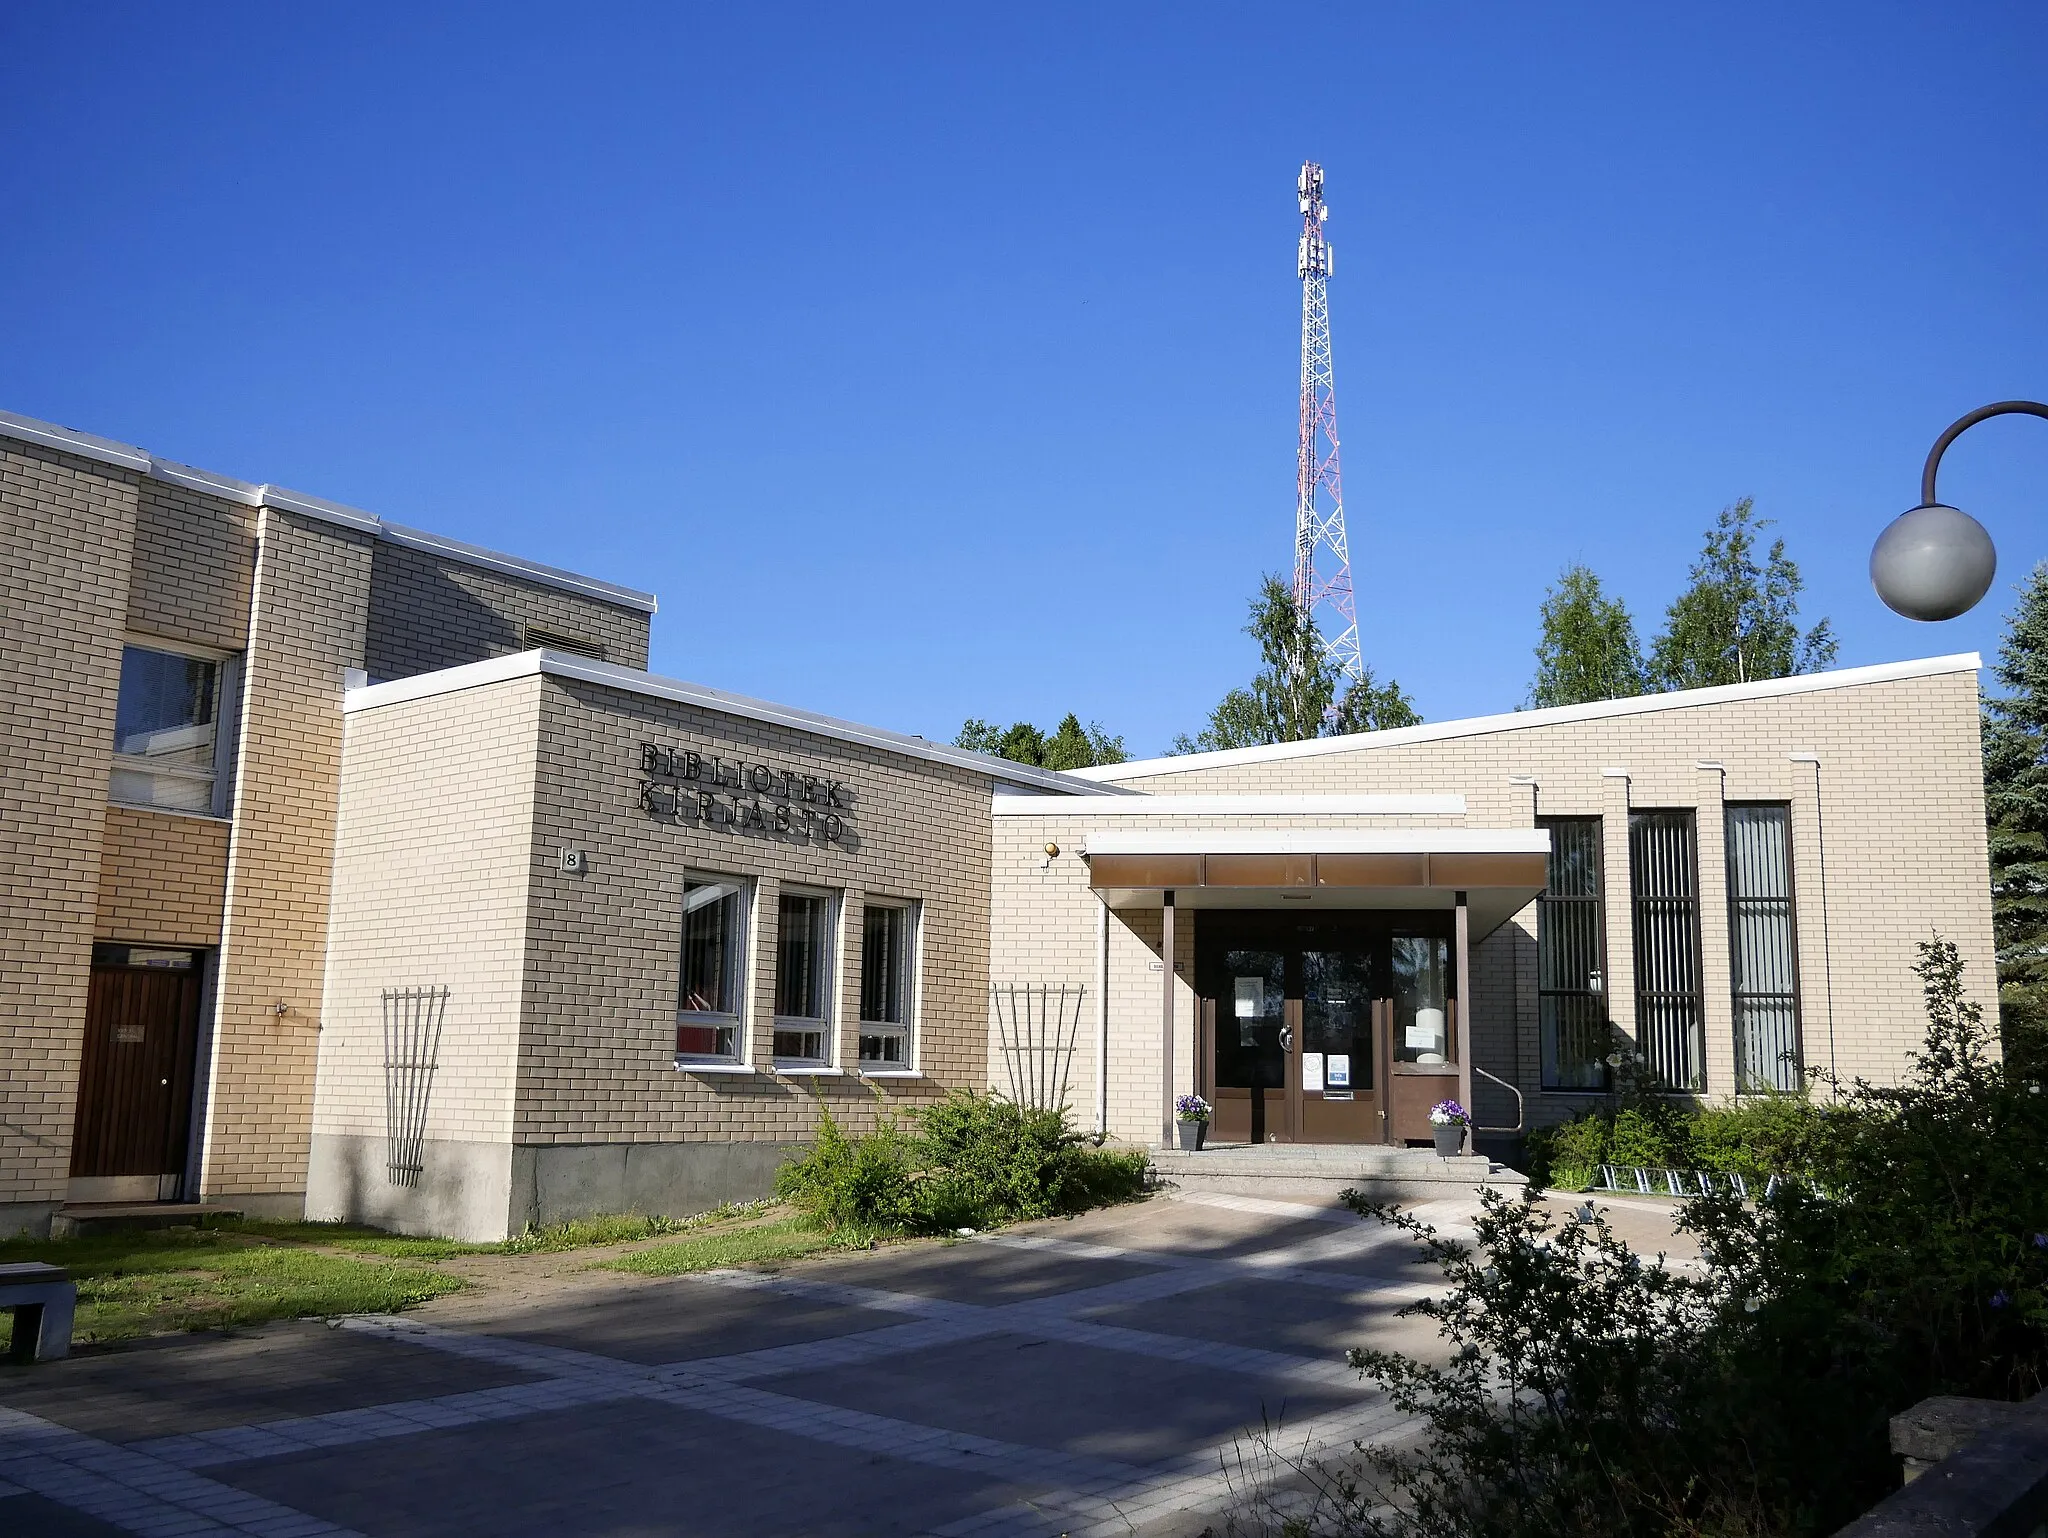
1084 1377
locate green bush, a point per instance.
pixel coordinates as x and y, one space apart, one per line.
1757 1137
969 1161
1585 1391
852 1183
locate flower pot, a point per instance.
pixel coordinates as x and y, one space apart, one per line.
1201 1134
1190 1136
1450 1138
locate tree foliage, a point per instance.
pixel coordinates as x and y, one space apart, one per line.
1296 694
1589 649
1738 621
2016 807
1070 745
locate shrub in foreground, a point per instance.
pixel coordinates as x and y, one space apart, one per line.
1590 1391
969 1161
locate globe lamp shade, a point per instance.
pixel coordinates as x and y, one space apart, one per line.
1933 563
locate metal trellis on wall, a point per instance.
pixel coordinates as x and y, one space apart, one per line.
1038 1025
412 1049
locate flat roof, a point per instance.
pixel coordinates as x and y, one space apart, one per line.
129 457
1518 720
529 664
1011 804
1325 841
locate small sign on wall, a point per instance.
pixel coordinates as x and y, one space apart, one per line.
1339 1070
1312 1071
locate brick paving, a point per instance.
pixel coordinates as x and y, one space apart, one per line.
1086 1377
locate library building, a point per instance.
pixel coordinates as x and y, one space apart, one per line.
357 872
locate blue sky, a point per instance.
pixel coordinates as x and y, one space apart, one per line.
942 361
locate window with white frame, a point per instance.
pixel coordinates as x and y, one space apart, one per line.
888 961
166 730
710 1013
803 979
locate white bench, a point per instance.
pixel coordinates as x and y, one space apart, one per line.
42 1299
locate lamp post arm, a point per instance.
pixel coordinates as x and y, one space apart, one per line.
1962 425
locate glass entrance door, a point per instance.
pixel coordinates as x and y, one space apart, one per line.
1336 1062
1294 1032
1253 1035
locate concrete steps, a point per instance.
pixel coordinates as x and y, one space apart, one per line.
1321 1172
77 1220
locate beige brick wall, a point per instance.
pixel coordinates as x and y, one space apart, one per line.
195 561
163 878
310 603
70 528
432 874
428 612
605 947
1900 803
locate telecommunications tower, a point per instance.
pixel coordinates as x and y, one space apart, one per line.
1322 552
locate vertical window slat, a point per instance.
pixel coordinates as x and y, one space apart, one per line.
1664 895
1763 960
1570 923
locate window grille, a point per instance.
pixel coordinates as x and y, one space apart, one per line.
1571 945
1665 887
1763 949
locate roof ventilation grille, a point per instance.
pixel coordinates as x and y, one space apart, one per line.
532 636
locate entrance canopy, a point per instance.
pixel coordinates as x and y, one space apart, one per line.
1501 870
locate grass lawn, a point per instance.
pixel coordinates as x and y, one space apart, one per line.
153 1282
248 1270
783 1239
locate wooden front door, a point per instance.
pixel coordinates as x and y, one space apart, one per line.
135 1079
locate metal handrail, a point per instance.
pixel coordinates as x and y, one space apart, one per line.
1521 1106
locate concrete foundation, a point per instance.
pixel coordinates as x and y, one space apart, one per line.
555 1182
484 1192
30 1219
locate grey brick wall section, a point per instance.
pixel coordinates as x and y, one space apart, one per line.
428 612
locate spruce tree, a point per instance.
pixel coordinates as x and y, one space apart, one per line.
1589 649
2016 809
1738 621
1070 745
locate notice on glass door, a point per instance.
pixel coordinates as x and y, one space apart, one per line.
1312 1071
1251 997
1338 1070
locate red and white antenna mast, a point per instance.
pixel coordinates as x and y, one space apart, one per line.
1322 551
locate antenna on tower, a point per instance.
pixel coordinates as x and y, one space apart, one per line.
1322 551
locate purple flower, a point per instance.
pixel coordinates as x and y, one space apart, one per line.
2041 1241
2000 1298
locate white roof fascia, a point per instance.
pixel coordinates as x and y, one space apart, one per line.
1013 805
425 686
72 441
321 508
516 566
225 487
1518 720
1325 841
129 457
631 681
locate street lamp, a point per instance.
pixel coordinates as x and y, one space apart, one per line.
1935 561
